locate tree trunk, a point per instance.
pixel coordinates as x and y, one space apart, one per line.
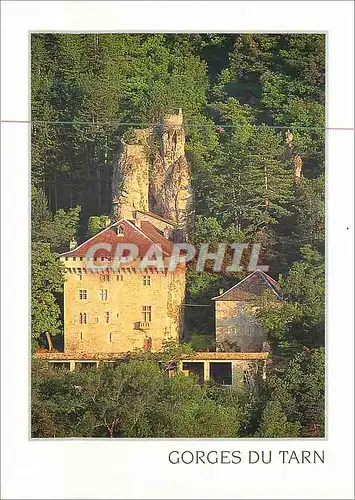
49 341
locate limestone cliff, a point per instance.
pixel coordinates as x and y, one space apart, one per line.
130 176
151 172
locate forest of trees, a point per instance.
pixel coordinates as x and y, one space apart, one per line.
254 106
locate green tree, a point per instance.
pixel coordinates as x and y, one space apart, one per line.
274 423
57 230
310 214
300 318
266 183
96 224
298 387
135 398
49 234
202 342
47 278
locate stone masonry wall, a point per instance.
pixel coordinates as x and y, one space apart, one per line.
238 327
127 294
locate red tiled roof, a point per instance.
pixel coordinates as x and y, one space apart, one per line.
151 231
142 237
250 286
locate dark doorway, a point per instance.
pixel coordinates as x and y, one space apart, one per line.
194 369
85 365
221 373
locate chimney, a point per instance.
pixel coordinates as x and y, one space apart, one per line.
107 222
220 291
73 244
136 220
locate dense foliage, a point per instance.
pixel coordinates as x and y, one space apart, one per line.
49 233
132 399
253 107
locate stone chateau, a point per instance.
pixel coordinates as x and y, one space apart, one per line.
109 312
112 311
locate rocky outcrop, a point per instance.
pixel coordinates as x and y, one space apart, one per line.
297 165
151 172
130 176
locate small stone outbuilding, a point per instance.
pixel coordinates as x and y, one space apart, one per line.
238 328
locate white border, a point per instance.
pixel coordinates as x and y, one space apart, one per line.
140 469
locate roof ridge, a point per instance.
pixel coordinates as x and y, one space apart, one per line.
150 239
264 276
123 219
234 286
92 237
266 279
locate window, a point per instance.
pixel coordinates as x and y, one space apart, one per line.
146 280
110 337
221 373
83 319
104 277
103 294
120 230
107 316
81 335
147 313
66 258
81 258
74 258
83 294
120 277
102 258
80 273
96 320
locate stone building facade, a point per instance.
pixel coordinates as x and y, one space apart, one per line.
142 309
110 309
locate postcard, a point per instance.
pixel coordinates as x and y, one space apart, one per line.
178 258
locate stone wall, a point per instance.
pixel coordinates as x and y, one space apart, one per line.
127 294
237 327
